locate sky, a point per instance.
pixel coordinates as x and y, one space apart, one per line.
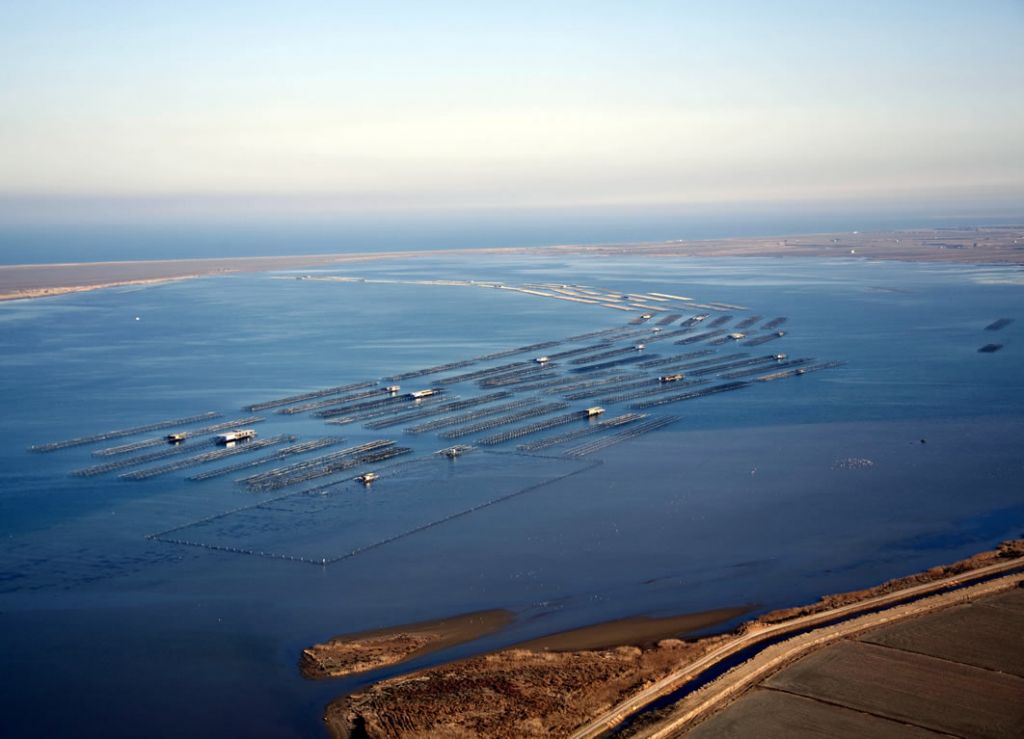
165 108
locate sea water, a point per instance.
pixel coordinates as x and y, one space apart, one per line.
746 500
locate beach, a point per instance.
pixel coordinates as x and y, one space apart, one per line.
982 245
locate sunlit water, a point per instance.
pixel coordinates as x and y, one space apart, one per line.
740 502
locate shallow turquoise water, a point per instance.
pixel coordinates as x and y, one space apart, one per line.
739 502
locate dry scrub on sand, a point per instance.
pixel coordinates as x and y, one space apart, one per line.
537 691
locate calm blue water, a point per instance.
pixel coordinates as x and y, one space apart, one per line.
738 503
430 230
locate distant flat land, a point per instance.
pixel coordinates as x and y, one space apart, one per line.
990 244
957 672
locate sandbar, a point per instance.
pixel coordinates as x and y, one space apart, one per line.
981 245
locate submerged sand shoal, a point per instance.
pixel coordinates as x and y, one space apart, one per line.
989 244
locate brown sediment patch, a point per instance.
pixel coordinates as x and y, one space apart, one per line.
368 650
638 631
540 688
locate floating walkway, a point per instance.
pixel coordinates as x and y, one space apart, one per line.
162 440
245 448
291 399
107 435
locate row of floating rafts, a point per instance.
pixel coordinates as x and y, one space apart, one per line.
174 450
758 340
456 419
483 373
542 425
488 424
748 322
750 371
596 387
391 399
323 466
608 353
283 453
228 451
473 360
178 447
664 361
426 411
119 433
332 402
799 371
292 399
611 363
631 432
629 382
190 434
565 383
722 388
650 391
724 366
599 427
542 369
581 350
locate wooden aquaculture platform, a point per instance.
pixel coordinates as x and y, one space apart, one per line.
162 440
247 447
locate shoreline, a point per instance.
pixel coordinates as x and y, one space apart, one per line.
996 245
544 691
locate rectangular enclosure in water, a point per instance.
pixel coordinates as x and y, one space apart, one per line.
329 523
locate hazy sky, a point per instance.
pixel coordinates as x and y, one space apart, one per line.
454 104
